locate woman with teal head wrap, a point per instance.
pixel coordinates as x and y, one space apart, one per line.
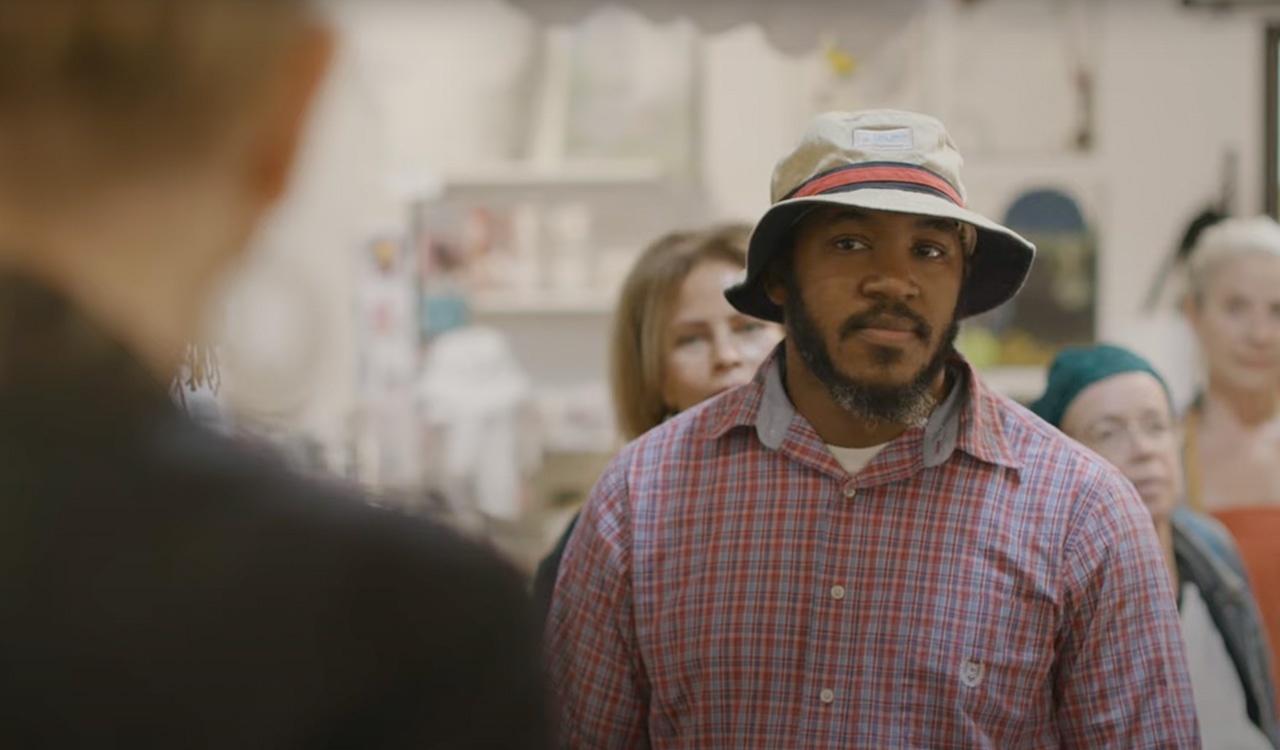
1114 402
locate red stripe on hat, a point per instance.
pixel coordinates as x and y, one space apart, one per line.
858 173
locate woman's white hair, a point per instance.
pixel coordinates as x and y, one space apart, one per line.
1230 238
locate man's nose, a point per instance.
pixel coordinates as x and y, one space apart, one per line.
889 277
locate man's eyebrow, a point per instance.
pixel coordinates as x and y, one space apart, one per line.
937 223
849 214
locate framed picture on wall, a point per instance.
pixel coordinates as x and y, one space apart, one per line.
1057 306
620 88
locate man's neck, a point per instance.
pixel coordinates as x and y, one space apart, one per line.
140 281
833 423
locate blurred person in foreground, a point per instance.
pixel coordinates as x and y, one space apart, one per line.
161 587
866 546
676 341
1232 429
1114 402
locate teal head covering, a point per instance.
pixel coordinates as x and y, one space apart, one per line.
1077 368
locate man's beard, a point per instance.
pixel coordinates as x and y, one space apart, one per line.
907 404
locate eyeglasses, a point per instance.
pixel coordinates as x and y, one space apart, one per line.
1113 434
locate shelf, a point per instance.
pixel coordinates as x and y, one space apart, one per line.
593 172
541 302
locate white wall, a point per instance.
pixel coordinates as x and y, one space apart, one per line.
1180 89
287 339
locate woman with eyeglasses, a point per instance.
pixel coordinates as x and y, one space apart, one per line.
1115 403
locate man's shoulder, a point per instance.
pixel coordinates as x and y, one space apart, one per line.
210 476
1058 469
694 434
1041 447
247 571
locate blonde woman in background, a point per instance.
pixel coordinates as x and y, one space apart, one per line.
1232 449
676 341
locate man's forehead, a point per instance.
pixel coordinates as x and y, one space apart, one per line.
841 214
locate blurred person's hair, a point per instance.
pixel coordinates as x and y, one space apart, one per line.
644 311
93 91
1226 240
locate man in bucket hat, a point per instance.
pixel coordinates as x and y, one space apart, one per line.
867 547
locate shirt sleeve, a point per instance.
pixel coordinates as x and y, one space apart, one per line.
1121 675
594 664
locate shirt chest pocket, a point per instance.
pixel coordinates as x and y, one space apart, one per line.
987 665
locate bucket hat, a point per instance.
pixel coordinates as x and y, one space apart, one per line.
882 160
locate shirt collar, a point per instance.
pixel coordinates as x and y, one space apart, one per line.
968 419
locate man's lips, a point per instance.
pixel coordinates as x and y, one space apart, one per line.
894 330
891 336
892 323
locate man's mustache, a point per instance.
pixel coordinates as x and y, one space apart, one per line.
878 315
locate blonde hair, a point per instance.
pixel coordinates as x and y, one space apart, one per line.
94 91
1228 239
644 311
93 88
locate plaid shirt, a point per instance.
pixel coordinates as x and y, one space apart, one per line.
983 582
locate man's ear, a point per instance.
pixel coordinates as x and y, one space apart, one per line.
284 117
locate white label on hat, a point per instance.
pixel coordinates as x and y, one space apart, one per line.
898 139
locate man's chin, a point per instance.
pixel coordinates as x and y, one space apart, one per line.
899 375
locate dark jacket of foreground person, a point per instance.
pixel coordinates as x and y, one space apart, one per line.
163 587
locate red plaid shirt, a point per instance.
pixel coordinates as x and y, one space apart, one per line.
983 582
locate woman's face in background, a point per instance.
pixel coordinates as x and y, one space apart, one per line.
1236 318
1127 420
708 346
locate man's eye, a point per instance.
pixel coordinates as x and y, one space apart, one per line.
931 252
848 244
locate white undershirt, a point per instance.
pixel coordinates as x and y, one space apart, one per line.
1219 697
854 460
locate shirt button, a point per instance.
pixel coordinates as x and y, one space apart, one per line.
850 491
827 695
837 592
